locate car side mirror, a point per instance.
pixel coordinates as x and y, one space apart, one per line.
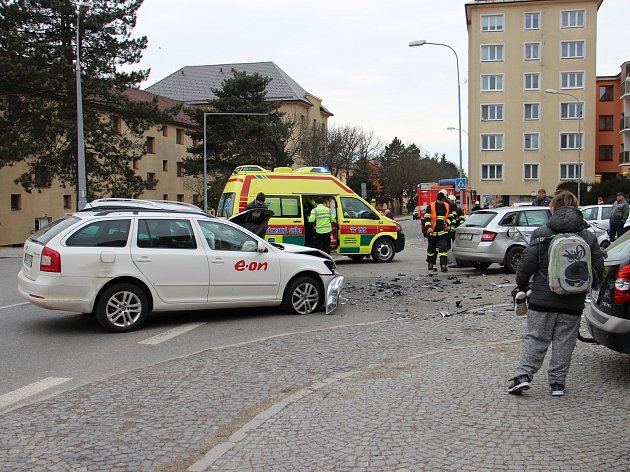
262 247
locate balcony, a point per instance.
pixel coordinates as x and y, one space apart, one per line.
624 124
625 88
624 158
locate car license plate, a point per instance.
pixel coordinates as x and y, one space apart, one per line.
28 260
466 236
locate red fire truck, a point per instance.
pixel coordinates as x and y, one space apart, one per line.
427 192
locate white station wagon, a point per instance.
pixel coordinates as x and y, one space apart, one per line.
122 259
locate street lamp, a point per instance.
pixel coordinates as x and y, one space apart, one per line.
422 42
579 110
453 128
205 161
81 174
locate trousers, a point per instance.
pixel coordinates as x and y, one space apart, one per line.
438 246
543 329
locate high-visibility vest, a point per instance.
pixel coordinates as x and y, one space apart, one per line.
323 218
434 218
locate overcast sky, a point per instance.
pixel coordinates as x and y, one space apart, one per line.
353 54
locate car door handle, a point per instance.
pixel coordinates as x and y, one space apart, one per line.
297 221
143 259
218 261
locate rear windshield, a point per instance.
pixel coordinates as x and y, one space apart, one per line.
53 229
480 219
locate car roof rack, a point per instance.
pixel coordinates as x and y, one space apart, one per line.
121 204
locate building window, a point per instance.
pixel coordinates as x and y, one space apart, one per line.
150 180
16 201
165 131
531 141
180 136
491 171
531 21
569 171
606 152
151 145
605 122
531 51
180 169
492 142
605 93
531 111
165 196
492 83
571 49
570 141
492 112
491 22
196 199
571 80
116 124
180 197
530 172
164 165
67 201
571 110
572 19
491 52
134 164
532 81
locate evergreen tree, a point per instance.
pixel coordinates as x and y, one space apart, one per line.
232 141
38 117
364 172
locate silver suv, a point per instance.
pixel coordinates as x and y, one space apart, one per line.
500 235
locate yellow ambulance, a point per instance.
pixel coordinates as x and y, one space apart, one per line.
360 230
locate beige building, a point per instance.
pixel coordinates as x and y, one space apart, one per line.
22 213
523 137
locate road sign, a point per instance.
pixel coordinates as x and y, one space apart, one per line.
460 184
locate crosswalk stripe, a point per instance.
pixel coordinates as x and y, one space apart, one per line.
171 333
29 390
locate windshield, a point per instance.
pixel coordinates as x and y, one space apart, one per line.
53 229
480 219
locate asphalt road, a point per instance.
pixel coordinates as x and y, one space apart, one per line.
408 374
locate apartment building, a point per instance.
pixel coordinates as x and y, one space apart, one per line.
608 136
166 145
532 105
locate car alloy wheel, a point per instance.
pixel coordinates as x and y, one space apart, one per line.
121 308
302 296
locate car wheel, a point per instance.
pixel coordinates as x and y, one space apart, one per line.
383 250
121 308
512 259
480 265
303 296
357 257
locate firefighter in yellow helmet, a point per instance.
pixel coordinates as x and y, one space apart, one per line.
456 215
435 229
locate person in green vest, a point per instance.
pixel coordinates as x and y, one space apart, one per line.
323 218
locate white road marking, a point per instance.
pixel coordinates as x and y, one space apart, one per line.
171 333
30 390
14 305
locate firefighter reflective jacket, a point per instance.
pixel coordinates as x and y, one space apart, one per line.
436 219
323 218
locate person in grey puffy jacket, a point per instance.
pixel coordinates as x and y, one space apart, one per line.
551 319
618 216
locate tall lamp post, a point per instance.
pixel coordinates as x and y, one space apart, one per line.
205 160
579 110
81 174
422 42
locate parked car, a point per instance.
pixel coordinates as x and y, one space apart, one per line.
500 235
416 210
597 214
121 259
608 315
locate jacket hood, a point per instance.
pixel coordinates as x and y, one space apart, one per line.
567 219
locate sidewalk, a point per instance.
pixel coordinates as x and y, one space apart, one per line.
10 252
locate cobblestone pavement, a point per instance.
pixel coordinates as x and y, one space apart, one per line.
422 389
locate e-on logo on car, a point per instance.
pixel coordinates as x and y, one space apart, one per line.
242 266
